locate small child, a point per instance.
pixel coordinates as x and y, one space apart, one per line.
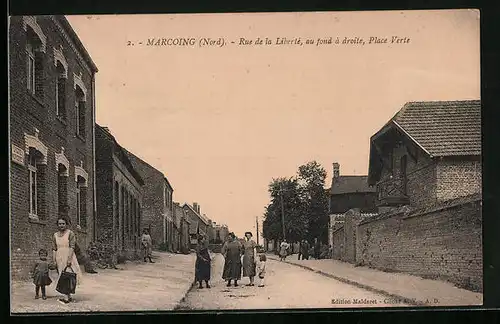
41 274
261 269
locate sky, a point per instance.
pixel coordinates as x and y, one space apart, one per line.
222 122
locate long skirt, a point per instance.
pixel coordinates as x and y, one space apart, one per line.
248 266
232 269
62 254
202 270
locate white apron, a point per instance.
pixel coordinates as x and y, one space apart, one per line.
62 254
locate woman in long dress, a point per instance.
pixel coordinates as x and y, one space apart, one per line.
249 263
147 245
231 250
284 250
202 265
64 255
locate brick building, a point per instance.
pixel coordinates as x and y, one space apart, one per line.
52 113
119 196
199 224
183 229
348 192
429 152
158 206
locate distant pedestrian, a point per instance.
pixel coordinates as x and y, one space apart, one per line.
64 242
232 250
40 274
147 245
317 248
202 265
304 249
261 269
299 254
249 262
284 247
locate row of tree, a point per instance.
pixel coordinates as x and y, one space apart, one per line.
300 203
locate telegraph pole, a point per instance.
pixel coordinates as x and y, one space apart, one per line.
282 211
257 222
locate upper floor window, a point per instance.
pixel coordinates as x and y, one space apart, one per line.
35 49
80 112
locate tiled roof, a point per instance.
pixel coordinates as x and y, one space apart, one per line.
350 184
443 128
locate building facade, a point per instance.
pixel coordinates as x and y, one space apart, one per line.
157 203
52 115
429 152
199 224
119 196
348 192
183 227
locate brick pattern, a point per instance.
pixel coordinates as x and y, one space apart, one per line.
154 208
338 242
458 178
421 175
27 112
444 244
117 192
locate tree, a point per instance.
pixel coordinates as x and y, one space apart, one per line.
311 179
285 191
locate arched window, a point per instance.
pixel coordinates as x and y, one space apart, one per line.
62 190
81 202
61 91
35 48
37 183
80 112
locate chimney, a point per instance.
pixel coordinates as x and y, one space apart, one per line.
195 206
336 170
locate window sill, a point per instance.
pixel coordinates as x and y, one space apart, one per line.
36 97
62 120
35 220
80 137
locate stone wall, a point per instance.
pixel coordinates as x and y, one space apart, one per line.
441 242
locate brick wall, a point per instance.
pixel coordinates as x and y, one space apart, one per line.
443 243
352 218
421 175
457 178
27 112
153 208
338 242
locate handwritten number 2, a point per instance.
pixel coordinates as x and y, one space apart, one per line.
129 43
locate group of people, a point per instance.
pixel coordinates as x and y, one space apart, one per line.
237 257
63 260
316 250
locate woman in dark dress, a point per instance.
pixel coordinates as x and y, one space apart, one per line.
202 266
232 250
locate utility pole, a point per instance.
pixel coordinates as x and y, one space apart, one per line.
282 210
257 222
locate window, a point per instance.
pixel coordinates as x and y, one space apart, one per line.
31 67
78 203
33 184
62 190
80 112
61 91
404 179
34 64
81 202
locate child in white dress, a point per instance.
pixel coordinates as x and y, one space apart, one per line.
261 269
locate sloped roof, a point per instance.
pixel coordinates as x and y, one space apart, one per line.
350 184
443 128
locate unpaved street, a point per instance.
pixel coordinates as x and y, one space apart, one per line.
287 286
137 286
